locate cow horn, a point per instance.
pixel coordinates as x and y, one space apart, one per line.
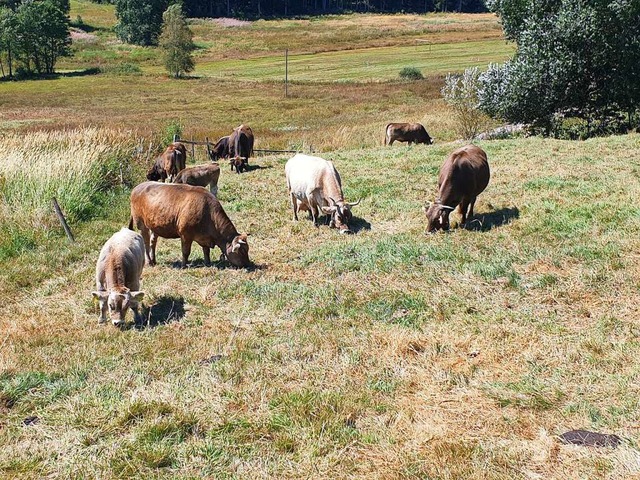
242 242
447 207
354 204
335 204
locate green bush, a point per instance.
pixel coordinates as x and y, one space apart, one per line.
411 73
174 127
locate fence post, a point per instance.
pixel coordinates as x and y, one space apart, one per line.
63 221
208 147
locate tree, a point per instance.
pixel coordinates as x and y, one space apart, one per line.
575 57
8 39
139 21
176 42
41 35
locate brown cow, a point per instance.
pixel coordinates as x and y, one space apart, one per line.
241 147
463 176
221 149
406 132
201 176
118 274
189 213
167 165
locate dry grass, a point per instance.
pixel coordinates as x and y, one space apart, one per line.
389 354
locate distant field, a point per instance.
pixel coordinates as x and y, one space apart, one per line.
344 73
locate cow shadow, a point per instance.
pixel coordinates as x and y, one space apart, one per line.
357 224
491 220
166 309
218 264
252 167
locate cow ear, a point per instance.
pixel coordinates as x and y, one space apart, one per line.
137 296
100 295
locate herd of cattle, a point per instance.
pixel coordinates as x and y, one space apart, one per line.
184 209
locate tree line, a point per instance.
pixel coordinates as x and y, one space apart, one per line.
252 9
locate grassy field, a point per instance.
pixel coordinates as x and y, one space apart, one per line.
389 354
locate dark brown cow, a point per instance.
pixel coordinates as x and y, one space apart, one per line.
220 149
201 176
241 141
189 213
463 176
167 165
406 132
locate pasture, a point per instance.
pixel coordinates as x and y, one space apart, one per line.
388 354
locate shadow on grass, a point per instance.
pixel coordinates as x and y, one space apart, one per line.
357 224
220 264
53 76
497 218
166 309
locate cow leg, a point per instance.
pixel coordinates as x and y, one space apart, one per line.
391 141
152 253
186 251
206 252
294 204
471 205
144 231
464 205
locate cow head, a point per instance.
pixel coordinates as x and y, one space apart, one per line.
116 303
238 251
437 216
340 215
154 173
239 163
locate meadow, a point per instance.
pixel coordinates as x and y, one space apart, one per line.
389 354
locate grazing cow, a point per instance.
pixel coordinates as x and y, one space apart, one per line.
406 132
189 213
314 184
241 146
167 165
463 176
239 164
220 149
201 176
118 274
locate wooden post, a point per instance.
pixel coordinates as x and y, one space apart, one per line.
67 230
286 73
176 137
208 148
193 151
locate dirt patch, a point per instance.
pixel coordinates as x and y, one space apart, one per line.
231 22
77 34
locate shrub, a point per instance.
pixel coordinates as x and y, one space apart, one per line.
411 73
461 93
174 127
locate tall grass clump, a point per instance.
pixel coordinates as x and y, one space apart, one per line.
78 167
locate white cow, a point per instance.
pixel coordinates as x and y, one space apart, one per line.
314 184
118 274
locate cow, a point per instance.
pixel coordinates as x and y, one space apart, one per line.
314 184
201 176
167 165
241 147
118 274
463 176
189 213
239 164
220 149
406 132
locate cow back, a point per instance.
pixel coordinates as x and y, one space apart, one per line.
465 173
